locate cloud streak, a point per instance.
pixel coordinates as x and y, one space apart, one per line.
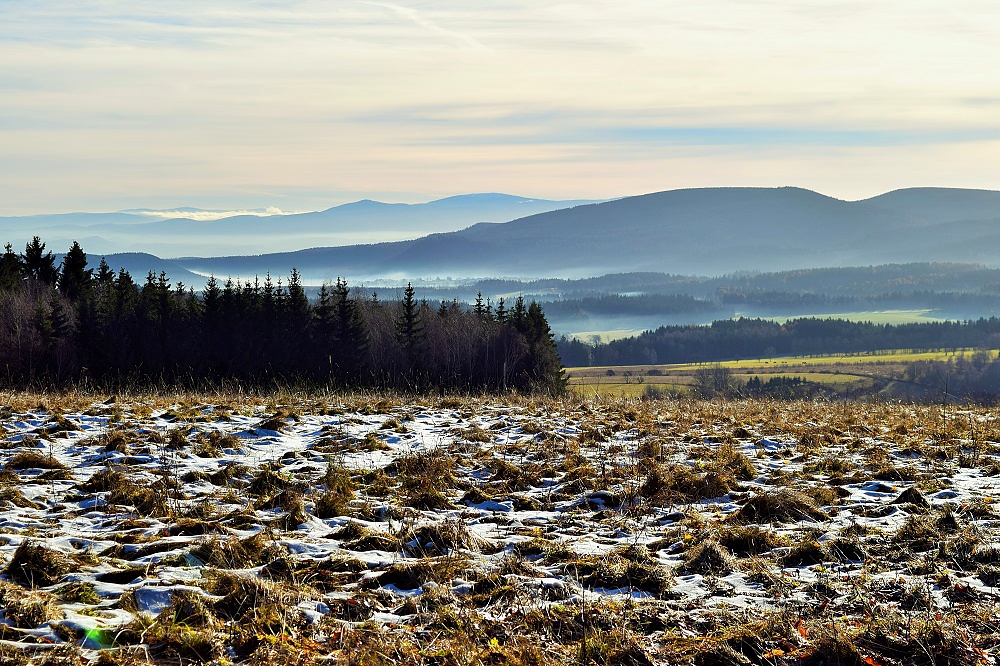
306 104
420 20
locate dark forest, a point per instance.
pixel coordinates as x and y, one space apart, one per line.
69 324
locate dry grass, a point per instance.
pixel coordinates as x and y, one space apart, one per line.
620 530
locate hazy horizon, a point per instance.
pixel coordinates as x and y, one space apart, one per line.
183 211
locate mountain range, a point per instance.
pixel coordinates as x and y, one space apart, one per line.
185 230
710 231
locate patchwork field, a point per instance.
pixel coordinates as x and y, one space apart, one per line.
844 372
496 531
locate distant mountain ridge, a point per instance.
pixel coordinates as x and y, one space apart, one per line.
208 232
707 231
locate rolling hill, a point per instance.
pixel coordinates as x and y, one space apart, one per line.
708 231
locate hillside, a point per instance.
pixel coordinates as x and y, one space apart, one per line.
197 231
708 231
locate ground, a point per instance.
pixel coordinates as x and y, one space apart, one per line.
387 529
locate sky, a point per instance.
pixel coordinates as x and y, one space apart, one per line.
302 105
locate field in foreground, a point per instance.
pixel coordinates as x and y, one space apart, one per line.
495 531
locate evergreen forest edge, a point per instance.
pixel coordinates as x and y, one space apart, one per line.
70 325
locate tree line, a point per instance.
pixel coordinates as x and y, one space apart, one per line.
67 323
759 338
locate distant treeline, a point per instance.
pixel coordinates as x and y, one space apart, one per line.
808 302
729 301
758 338
67 323
857 281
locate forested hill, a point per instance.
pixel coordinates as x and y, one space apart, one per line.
710 231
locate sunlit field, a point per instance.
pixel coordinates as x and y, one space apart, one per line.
380 529
838 371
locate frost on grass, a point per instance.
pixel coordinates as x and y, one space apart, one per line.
496 531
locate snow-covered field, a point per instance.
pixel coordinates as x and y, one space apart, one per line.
462 531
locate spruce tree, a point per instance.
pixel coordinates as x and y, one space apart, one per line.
74 278
105 276
39 264
10 269
298 304
519 315
543 356
409 327
350 334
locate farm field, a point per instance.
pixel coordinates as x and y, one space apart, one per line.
875 317
378 530
609 335
842 372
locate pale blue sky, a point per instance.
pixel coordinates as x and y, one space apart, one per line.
303 105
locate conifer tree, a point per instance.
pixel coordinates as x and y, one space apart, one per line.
349 332
74 278
409 327
519 315
298 304
105 275
543 356
10 269
39 264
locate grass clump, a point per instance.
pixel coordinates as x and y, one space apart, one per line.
442 538
410 576
33 460
514 477
778 507
278 421
680 484
34 565
15 497
614 572
807 552
242 594
78 593
269 482
728 459
749 540
235 553
27 609
172 642
709 557
121 490
339 491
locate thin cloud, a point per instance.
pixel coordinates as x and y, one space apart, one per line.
422 21
207 215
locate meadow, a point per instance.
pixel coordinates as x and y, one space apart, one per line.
380 529
841 372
